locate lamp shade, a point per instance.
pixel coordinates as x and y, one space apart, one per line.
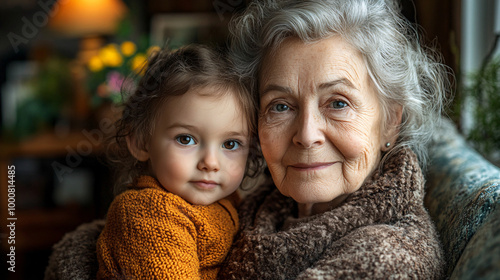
86 17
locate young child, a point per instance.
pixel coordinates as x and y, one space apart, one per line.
185 141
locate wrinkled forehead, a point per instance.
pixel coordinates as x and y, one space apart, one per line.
329 59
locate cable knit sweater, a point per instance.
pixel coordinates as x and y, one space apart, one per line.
382 231
153 234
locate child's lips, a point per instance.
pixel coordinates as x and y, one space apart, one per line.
205 184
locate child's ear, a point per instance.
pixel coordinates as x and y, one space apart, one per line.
391 132
139 153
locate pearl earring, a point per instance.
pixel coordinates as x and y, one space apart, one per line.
388 144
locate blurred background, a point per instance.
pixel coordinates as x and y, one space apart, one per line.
61 67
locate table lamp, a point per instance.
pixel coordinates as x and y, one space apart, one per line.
88 20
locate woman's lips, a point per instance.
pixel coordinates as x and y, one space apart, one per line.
206 185
311 166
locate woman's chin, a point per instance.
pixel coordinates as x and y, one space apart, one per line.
312 199
310 193
311 205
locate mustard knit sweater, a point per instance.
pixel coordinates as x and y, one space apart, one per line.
153 234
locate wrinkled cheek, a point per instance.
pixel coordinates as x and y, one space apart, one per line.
265 136
270 143
360 168
273 144
356 145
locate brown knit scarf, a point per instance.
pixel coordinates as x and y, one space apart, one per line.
380 231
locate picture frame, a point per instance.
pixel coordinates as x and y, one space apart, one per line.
175 30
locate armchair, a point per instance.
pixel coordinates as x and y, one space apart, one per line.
463 198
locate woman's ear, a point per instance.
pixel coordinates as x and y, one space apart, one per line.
391 132
139 153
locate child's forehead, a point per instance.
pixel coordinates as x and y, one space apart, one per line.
203 99
213 93
198 111
215 90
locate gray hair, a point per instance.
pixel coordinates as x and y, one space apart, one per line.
403 71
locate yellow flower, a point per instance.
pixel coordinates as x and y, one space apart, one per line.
152 49
139 63
110 56
128 48
95 64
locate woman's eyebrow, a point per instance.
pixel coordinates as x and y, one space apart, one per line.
273 87
322 86
343 81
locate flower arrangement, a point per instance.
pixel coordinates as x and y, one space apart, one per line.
111 69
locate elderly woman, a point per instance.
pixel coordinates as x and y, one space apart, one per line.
348 100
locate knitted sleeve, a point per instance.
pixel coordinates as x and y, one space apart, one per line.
147 237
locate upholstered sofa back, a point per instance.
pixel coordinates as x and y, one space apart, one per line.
463 194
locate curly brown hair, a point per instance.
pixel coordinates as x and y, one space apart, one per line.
173 73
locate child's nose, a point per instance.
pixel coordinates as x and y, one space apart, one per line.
209 161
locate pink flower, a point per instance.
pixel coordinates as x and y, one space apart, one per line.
115 81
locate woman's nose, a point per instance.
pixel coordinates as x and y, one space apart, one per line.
309 129
208 161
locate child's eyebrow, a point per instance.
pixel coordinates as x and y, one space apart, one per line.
181 125
230 134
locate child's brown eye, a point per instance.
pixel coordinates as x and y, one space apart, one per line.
185 140
231 145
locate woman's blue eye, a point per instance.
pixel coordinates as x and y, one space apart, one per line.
280 107
338 104
231 145
185 140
